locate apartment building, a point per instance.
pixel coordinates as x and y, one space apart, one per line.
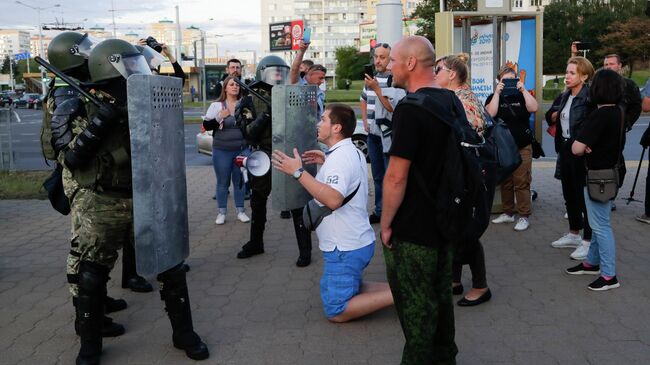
13 41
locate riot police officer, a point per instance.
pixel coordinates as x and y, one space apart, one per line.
97 175
254 115
68 52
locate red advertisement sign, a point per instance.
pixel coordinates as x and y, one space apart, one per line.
286 36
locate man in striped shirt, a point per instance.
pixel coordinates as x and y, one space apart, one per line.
370 96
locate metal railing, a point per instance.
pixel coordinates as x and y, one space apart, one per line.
6 144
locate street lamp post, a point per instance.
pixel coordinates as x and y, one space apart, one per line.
40 37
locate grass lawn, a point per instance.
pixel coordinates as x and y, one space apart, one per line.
23 184
342 95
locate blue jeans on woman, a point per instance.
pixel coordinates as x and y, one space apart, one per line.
226 171
602 250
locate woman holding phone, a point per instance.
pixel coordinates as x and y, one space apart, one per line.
227 143
512 103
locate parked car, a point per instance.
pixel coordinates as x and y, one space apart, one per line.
359 138
6 99
28 101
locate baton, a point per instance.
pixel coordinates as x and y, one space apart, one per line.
68 80
631 198
253 92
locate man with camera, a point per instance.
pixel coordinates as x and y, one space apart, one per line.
345 236
378 97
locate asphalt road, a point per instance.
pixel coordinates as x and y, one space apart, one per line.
27 151
25 136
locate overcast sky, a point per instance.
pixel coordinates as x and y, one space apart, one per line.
238 20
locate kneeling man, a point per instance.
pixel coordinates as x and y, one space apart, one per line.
345 236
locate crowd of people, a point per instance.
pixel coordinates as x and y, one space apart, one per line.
405 142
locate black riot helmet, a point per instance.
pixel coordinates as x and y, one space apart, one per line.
69 50
115 58
272 70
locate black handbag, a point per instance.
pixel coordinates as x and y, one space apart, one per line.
603 184
55 193
499 141
538 151
313 214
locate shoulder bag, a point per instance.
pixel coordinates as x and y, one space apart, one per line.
313 214
602 185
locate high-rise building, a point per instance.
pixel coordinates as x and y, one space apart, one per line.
35 42
13 41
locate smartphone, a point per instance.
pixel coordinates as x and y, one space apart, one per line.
583 46
367 70
306 35
510 87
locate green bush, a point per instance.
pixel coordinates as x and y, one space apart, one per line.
551 93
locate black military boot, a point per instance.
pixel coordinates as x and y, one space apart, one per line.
303 236
258 221
130 278
113 305
173 291
109 328
90 311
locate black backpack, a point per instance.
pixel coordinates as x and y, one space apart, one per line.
463 201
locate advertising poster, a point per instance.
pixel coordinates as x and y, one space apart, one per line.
481 61
285 36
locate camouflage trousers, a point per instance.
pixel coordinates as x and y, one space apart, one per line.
101 225
420 280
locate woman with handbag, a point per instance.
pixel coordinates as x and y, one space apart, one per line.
570 119
601 142
451 72
514 109
227 143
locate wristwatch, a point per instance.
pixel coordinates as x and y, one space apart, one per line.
298 173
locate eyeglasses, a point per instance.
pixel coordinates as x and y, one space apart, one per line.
382 45
440 68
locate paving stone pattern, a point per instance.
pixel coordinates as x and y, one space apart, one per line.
265 310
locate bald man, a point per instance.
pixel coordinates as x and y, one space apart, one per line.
418 258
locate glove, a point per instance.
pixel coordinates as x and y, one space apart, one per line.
645 138
109 113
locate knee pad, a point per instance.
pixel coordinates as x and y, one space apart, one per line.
92 278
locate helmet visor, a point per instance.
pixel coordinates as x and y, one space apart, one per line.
130 64
85 45
154 59
275 75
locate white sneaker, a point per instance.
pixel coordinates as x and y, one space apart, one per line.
568 240
504 218
243 217
580 253
221 219
522 224
566 215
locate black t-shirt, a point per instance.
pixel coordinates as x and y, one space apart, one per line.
420 138
601 132
512 109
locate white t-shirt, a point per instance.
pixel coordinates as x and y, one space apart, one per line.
565 121
347 228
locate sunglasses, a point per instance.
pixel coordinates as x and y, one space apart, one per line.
382 45
440 68
318 68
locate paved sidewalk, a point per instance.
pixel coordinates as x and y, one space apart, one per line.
264 310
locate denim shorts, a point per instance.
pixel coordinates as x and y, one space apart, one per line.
341 278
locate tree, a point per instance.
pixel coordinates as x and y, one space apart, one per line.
629 39
21 68
566 21
349 64
425 14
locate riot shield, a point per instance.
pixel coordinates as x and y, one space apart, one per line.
294 119
158 166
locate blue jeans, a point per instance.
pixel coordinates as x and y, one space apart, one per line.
226 171
378 166
603 248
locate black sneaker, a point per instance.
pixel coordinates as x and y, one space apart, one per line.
285 214
374 218
581 269
602 284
